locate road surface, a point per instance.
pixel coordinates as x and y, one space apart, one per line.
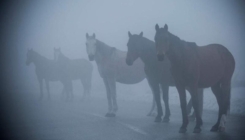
30 119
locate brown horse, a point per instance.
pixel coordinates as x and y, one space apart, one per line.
157 73
197 67
112 68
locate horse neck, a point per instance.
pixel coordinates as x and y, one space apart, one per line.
176 52
39 60
63 58
147 52
103 51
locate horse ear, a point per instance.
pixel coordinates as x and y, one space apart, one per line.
141 34
87 35
94 35
157 27
129 34
165 27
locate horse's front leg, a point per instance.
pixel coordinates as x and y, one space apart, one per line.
195 101
182 97
165 97
112 86
47 87
109 98
156 91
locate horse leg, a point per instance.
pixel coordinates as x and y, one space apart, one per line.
41 88
165 90
153 105
112 86
189 106
71 90
85 89
225 104
217 92
47 87
109 99
156 91
195 101
200 100
182 95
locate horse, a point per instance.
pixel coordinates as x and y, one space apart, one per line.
75 69
157 73
112 68
197 67
47 70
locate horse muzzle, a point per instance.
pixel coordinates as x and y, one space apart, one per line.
160 57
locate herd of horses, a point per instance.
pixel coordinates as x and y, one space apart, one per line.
166 61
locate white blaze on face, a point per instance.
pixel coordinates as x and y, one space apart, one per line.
91 46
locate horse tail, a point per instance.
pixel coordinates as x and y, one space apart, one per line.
229 71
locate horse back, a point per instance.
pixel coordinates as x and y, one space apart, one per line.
216 63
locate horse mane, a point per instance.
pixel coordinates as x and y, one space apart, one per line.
62 56
177 42
39 56
104 48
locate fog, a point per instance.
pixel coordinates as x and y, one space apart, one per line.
45 25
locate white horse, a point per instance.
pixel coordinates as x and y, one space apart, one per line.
112 68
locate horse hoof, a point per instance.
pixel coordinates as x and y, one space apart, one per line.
165 120
182 130
197 130
113 115
214 129
221 129
107 114
158 119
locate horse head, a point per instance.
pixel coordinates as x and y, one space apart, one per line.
29 57
162 41
91 46
134 44
57 53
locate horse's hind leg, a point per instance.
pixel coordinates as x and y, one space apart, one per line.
165 90
225 103
217 92
41 88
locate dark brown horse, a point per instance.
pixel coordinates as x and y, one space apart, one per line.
47 70
157 73
197 67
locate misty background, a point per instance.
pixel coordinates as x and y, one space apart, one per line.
43 25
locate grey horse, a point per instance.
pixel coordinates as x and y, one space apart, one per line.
74 69
112 68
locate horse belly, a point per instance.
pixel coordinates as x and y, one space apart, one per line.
211 66
130 74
